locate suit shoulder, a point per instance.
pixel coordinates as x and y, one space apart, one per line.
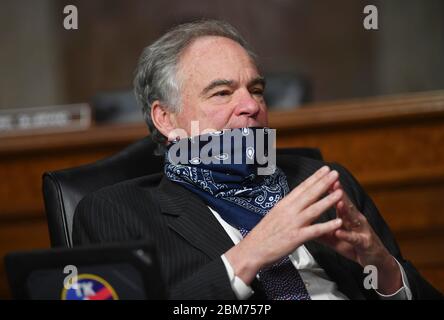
113 213
118 191
306 165
120 197
300 165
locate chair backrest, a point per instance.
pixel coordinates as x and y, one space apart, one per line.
63 189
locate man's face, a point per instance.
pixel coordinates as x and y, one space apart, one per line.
220 87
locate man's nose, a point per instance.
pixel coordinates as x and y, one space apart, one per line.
247 105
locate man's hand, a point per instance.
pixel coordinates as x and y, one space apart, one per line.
357 241
288 225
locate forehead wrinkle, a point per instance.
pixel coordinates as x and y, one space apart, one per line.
190 70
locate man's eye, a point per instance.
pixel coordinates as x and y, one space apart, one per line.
258 92
222 93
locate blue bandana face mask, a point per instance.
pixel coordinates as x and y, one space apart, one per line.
233 171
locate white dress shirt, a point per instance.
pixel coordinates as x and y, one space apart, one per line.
318 284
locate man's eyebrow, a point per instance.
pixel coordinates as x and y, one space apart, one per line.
258 80
225 82
216 83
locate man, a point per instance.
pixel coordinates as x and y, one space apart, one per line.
310 236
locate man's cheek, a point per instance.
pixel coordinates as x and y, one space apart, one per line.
263 118
218 119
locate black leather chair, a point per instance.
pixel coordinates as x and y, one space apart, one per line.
63 189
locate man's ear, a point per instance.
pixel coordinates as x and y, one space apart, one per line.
163 119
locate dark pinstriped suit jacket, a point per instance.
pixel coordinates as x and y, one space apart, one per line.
190 240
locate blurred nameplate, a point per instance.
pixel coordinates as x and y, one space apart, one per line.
45 119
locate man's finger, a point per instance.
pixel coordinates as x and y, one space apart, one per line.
312 212
309 182
340 209
351 237
319 229
313 193
336 244
346 210
335 186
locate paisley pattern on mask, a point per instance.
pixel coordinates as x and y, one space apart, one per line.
236 191
256 198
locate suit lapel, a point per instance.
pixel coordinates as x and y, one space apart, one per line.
193 220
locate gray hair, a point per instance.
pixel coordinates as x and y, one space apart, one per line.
156 73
